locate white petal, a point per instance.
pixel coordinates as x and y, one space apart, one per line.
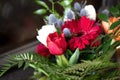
44 32
89 11
42 40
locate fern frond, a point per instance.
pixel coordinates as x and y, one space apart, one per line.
7 66
89 69
111 75
20 59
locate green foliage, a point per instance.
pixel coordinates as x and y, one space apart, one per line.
40 11
106 44
41 3
115 11
74 58
66 4
26 59
103 17
106 41
89 69
115 24
61 60
96 69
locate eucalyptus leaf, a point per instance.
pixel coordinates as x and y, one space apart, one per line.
40 11
74 58
115 24
103 17
41 3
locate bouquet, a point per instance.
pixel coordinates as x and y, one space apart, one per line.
76 46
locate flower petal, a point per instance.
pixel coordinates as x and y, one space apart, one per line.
44 32
89 11
42 50
85 24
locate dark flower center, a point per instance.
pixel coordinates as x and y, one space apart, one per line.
79 34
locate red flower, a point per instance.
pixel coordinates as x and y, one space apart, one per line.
42 50
56 43
84 32
71 25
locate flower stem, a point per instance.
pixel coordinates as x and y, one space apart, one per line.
39 69
62 61
53 7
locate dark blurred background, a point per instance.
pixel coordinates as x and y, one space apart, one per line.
18 24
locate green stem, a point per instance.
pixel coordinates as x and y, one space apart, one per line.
39 69
62 61
53 7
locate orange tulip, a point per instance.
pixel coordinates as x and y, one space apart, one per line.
106 27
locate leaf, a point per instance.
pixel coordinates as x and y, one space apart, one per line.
90 56
115 24
27 58
114 11
40 11
74 58
106 45
43 78
118 6
26 65
66 3
103 17
20 64
42 4
69 52
39 69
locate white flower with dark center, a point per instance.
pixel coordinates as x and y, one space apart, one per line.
89 12
44 32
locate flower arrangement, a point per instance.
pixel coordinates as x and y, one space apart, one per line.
76 46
